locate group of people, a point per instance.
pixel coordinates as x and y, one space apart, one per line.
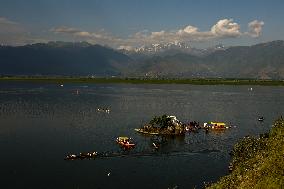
192 126
81 156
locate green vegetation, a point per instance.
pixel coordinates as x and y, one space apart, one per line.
162 121
212 81
163 125
257 162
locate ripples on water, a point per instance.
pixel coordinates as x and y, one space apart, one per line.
41 123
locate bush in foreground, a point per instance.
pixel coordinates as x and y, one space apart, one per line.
257 162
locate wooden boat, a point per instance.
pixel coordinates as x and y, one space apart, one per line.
125 142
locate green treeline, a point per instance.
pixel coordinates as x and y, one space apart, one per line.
146 80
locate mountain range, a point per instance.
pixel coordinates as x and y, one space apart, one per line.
62 58
261 61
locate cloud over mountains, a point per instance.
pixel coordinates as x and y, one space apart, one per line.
12 32
223 29
15 33
255 28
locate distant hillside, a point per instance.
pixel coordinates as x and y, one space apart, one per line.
262 61
62 58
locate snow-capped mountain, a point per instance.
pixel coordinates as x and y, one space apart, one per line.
156 48
168 49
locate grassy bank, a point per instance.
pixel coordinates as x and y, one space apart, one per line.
257 162
146 81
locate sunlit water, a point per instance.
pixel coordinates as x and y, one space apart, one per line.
41 123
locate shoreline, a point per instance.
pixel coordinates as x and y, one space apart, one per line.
257 162
111 80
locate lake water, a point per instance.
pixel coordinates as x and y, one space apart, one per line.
41 123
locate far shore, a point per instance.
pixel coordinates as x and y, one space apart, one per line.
197 81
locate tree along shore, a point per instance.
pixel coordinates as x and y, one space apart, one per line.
209 81
257 162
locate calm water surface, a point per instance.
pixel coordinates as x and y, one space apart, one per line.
41 123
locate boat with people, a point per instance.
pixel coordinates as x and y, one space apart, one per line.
192 126
81 156
71 157
105 110
215 125
125 142
88 155
261 118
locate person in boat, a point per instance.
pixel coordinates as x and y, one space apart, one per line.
70 157
123 140
261 118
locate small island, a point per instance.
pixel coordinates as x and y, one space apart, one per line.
163 125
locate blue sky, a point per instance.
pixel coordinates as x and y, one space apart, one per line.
133 23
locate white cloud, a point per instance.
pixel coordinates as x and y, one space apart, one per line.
71 31
224 28
255 28
10 27
100 37
158 34
76 32
12 33
6 21
83 34
65 29
188 30
126 47
191 33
